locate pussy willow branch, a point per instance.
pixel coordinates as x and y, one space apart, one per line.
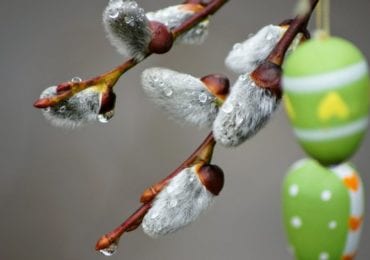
202 154
297 25
268 74
68 89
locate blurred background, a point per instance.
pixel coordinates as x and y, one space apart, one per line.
61 190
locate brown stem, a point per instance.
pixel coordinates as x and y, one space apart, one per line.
202 154
128 225
68 89
268 74
296 26
209 9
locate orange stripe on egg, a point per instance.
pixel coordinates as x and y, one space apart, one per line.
352 182
355 223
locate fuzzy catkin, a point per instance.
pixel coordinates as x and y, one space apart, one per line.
184 97
177 205
127 28
174 16
71 113
246 56
245 111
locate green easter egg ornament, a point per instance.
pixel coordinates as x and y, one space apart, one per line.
326 95
323 210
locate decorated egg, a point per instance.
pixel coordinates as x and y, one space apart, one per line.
323 210
326 96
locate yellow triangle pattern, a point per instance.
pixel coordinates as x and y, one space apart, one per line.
333 106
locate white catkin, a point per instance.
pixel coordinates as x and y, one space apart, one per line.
184 97
73 112
247 55
174 16
127 28
177 205
245 111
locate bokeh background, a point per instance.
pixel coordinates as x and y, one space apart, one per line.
60 190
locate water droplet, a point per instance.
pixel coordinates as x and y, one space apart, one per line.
237 46
173 203
170 188
133 5
227 108
243 77
198 31
62 109
76 79
203 97
269 37
239 120
129 20
104 118
113 13
154 215
168 91
109 251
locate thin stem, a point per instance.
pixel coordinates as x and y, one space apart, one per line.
112 237
297 25
210 9
68 89
202 154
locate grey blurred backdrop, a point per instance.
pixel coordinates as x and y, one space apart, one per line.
60 190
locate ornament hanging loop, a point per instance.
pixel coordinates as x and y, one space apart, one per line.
323 19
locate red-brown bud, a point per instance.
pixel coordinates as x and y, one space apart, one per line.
218 85
107 101
268 76
212 177
162 38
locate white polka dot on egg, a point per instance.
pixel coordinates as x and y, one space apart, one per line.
326 195
324 256
293 190
332 224
296 222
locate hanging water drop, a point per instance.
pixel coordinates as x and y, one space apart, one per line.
104 118
109 251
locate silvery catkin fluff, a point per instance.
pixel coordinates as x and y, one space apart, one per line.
81 108
245 111
174 16
184 97
127 28
247 55
177 205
